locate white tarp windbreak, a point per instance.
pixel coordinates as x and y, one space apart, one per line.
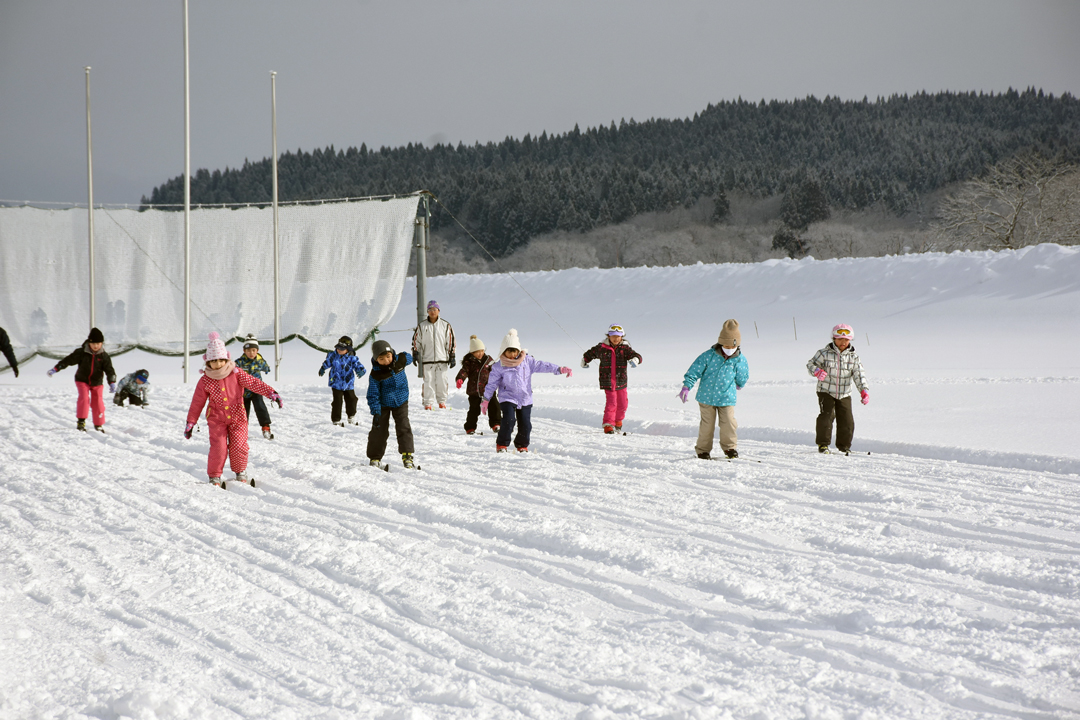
343 266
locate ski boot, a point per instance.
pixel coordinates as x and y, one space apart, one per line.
733 453
100 429
244 478
353 420
823 449
427 407
704 456
500 448
523 449
442 406
266 432
407 461
339 423
81 425
618 427
609 429
218 482
470 432
495 428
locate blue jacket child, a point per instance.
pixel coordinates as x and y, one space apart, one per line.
344 369
722 370
388 395
253 364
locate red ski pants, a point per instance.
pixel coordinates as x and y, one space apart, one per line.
227 440
90 398
615 407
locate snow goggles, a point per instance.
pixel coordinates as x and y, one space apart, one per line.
615 330
842 333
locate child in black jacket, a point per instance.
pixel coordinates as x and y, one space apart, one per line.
93 365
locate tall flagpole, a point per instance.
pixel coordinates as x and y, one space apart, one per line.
90 198
277 291
187 202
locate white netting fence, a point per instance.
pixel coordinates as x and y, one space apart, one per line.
342 267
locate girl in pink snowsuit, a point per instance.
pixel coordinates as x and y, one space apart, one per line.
222 385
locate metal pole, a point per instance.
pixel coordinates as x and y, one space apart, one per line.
277 275
187 201
90 199
421 273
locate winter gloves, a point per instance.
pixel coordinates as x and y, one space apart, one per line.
112 388
322 371
684 393
632 362
52 371
566 371
453 360
821 374
188 429
865 396
484 407
277 399
459 383
584 363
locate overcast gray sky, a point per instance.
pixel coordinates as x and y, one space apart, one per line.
393 72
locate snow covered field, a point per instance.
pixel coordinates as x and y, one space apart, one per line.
597 577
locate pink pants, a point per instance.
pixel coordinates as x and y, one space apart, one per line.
227 441
90 398
615 407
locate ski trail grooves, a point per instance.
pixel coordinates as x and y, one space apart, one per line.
594 575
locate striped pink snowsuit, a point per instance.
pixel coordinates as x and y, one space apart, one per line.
226 418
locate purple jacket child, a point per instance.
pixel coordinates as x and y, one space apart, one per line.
511 377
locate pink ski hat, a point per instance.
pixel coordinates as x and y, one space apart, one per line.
843 331
215 349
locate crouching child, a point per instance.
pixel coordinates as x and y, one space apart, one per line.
388 396
134 388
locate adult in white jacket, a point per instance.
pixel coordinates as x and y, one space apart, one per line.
434 348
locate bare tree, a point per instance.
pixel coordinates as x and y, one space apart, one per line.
1022 201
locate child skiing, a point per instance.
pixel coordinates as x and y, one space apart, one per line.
93 364
222 387
836 366
511 379
722 370
475 369
344 367
253 364
134 388
388 395
615 354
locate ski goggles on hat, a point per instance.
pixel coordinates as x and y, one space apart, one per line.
842 333
615 330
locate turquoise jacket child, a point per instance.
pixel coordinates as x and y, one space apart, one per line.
720 377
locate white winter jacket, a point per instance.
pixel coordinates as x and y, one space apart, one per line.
842 367
434 341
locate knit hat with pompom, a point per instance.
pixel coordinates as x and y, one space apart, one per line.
215 349
511 340
475 344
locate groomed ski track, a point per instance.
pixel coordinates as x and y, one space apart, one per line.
593 577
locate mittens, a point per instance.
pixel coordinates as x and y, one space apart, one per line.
274 397
566 371
459 383
632 362
112 388
684 393
865 396
584 363
52 371
821 374
322 371
188 429
483 407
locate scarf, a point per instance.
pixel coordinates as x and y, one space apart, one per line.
507 362
222 372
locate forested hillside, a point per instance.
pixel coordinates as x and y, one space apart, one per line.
860 154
